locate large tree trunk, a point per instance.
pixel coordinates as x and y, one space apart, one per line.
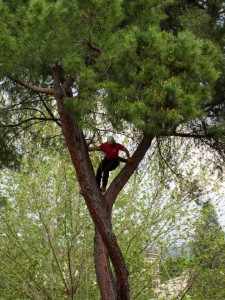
106 246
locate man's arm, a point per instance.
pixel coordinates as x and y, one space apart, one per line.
129 159
127 152
95 148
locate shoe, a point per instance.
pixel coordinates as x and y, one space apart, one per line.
103 189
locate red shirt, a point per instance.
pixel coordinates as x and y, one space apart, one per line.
111 150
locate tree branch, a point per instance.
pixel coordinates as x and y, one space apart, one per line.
54 253
26 121
32 87
49 111
189 135
165 161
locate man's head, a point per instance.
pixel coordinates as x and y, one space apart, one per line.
110 140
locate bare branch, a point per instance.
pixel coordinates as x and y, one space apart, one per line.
53 252
188 135
26 121
165 161
49 111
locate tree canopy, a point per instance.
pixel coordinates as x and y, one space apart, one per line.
125 54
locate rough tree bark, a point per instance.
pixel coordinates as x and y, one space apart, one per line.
105 277
85 175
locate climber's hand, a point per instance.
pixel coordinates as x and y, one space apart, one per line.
130 160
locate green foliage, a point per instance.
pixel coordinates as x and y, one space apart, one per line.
208 232
46 234
9 156
148 75
161 79
199 22
208 256
174 266
44 223
26 118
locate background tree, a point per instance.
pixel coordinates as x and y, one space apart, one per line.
45 218
46 233
207 256
141 69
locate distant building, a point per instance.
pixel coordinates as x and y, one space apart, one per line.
154 259
173 287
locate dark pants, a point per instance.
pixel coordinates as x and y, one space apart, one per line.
106 165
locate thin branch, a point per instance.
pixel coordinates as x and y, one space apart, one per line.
26 121
23 102
53 251
49 111
32 276
15 239
165 161
53 136
188 135
26 108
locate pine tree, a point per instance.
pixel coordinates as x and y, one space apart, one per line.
208 256
131 59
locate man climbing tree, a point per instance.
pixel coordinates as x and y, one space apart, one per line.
111 160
